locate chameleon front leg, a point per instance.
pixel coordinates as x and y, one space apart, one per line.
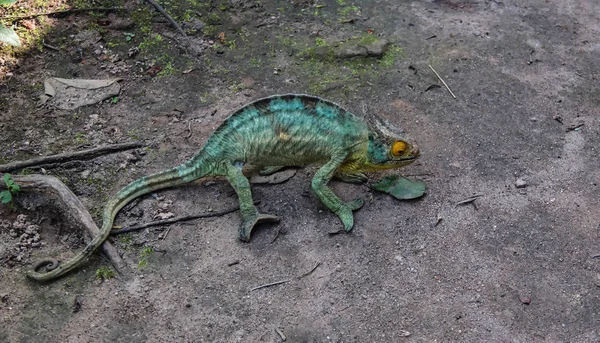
328 198
250 215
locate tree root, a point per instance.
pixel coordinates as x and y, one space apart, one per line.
175 220
69 156
166 15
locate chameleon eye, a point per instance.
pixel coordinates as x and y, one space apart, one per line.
398 148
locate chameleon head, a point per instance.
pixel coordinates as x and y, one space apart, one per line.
389 147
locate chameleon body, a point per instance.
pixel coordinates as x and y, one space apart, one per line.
274 132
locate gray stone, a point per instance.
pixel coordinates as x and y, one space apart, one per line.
377 48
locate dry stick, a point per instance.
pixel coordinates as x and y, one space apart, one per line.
72 10
174 220
270 284
439 77
74 206
69 156
49 46
280 333
310 271
169 18
469 199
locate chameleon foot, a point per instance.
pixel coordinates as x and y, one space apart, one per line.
249 223
346 215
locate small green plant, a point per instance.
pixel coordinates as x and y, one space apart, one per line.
167 70
146 252
104 273
114 100
133 133
79 138
6 196
128 36
126 239
8 35
150 42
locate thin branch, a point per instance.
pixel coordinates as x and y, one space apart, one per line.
439 77
69 156
169 18
469 199
51 47
270 284
174 220
310 271
72 10
74 207
280 333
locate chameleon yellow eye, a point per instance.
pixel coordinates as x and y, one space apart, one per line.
398 148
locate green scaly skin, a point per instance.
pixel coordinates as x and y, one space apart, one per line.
274 132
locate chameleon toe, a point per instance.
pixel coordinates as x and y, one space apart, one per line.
248 224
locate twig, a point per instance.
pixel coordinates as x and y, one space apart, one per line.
310 271
169 18
280 333
69 156
166 233
270 284
439 77
174 220
275 238
189 129
75 208
49 46
72 10
469 199
419 174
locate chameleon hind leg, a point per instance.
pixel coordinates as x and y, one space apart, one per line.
250 215
319 185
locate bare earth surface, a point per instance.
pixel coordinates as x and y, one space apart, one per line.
518 265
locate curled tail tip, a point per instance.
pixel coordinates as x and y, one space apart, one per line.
52 267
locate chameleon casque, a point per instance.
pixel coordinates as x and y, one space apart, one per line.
273 132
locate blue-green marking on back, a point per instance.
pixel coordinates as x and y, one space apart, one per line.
327 111
279 104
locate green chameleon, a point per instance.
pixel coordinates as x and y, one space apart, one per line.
272 133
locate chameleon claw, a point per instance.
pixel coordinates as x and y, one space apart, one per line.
346 215
249 223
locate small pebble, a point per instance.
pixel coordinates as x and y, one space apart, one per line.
520 183
597 280
525 300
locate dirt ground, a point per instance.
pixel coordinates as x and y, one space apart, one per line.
519 264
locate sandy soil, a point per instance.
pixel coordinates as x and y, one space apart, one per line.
517 265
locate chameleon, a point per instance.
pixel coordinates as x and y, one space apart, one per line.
288 130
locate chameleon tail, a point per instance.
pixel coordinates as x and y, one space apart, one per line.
169 178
